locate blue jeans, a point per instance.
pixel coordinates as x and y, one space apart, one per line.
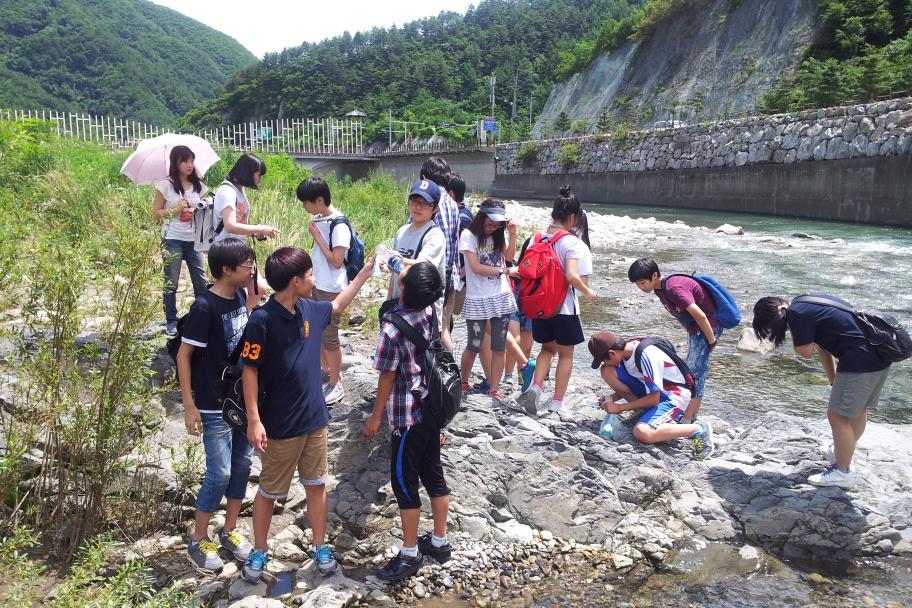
698 355
174 253
227 463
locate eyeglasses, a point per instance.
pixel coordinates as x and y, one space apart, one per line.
490 224
420 202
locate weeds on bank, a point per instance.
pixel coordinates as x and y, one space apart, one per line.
83 298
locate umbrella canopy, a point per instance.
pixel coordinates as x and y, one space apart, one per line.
150 161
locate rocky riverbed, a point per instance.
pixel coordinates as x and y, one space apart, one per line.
534 496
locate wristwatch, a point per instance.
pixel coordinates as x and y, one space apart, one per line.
500 271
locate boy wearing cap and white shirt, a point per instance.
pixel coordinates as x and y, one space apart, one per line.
421 239
658 389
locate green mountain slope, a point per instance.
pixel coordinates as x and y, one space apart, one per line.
432 67
125 57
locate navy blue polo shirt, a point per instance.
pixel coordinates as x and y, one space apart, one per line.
285 348
835 331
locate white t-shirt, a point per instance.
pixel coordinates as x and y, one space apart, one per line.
228 196
433 249
487 297
326 276
571 248
659 374
172 227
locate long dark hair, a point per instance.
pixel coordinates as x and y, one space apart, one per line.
566 205
581 230
476 227
178 155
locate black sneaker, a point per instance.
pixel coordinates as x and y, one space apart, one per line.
442 554
400 567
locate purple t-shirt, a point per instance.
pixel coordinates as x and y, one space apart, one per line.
682 291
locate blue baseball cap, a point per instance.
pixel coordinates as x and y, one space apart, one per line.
427 190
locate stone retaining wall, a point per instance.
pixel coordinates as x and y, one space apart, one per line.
857 131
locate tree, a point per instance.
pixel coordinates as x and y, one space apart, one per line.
604 121
562 123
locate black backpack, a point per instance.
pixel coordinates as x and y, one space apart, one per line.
441 373
690 381
173 344
890 340
354 257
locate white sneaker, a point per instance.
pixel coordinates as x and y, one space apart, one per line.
834 477
553 406
829 454
334 393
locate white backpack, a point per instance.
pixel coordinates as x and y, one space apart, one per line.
204 227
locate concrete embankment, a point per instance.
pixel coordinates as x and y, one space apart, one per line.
848 164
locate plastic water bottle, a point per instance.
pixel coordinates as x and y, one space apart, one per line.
608 427
395 263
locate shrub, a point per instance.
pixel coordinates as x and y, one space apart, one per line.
579 127
528 153
568 156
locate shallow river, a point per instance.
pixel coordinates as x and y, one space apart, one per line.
868 266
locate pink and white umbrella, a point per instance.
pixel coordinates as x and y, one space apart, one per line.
150 161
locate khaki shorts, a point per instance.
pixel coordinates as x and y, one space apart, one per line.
306 453
331 333
854 392
449 303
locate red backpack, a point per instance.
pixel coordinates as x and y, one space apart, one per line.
543 285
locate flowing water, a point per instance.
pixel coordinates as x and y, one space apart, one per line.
868 266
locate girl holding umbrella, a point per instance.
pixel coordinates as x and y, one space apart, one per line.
175 199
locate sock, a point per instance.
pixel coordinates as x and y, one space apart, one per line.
436 541
537 385
409 552
558 403
846 471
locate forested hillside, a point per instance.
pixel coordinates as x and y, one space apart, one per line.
432 69
864 50
130 58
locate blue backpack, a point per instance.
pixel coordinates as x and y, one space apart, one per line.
727 313
354 257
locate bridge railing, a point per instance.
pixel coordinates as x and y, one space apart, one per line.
295 136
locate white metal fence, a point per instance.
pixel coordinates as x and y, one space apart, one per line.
302 136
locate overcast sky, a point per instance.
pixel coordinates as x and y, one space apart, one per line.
272 25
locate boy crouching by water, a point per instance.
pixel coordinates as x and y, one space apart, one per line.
281 355
415 445
653 383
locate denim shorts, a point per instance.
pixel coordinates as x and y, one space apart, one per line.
698 356
227 463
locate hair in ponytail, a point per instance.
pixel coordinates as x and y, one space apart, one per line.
770 319
566 205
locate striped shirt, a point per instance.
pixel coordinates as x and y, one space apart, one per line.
396 353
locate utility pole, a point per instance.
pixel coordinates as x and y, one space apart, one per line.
493 84
513 115
530 109
391 128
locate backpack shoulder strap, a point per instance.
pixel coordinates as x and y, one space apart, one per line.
804 299
421 240
339 219
408 331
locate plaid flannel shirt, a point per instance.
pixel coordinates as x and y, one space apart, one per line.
396 353
448 219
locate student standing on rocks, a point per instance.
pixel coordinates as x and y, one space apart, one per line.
855 372
175 200
210 333
489 298
437 170
694 309
421 239
330 275
559 334
653 383
231 211
415 445
281 355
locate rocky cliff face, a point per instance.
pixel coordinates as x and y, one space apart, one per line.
699 65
